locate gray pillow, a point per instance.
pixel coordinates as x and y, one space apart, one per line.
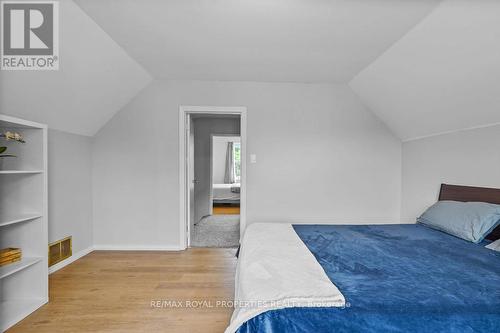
471 221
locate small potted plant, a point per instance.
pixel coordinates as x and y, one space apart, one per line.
9 136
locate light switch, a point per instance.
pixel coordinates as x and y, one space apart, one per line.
253 158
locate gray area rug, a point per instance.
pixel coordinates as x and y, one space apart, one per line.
217 231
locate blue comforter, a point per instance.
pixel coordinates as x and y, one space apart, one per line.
396 278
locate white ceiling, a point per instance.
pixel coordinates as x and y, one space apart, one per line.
256 40
444 75
422 66
96 79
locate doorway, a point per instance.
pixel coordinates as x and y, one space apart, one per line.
209 191
226 174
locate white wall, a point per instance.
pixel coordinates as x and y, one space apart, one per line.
465 158
203 129
89 87
70 190
322 157
441 76
219 152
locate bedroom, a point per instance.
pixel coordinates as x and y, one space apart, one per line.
355 113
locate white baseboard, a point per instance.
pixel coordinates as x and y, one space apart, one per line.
82 253
71 259
103 247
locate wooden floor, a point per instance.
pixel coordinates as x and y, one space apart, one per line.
225 210
112 291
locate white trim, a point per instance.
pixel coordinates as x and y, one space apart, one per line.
451 132
104 247
184 111
70 260
45 211
22 122
211 176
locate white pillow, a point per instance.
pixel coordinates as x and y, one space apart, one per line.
495 246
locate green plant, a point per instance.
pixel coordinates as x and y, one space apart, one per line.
10 136
2 151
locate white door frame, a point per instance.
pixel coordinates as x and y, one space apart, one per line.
184 115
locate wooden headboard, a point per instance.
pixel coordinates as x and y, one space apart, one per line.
469 193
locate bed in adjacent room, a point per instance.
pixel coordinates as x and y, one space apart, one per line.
374 278
226 194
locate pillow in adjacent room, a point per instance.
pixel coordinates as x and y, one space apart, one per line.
495 246
471 221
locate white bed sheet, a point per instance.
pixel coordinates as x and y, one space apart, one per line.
223 192
276 270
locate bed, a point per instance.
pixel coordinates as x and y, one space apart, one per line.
383 278
226 194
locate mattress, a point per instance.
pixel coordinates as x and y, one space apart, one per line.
395 278
226 193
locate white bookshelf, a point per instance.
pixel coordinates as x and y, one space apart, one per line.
18 218
23 221
19 172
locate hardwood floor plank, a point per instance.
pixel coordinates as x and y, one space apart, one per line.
112 291
225 210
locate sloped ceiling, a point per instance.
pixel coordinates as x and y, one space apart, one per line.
256 40
444 75
96 79
423 66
